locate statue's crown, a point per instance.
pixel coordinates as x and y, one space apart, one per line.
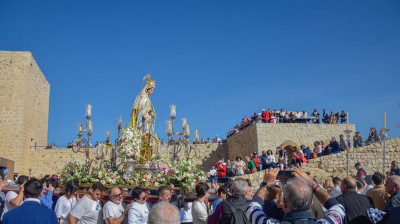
150 82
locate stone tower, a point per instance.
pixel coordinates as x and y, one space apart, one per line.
24 108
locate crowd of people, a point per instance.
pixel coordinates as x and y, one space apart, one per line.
267 159
359 199
362 198
201 141
373 137
32 205
282 116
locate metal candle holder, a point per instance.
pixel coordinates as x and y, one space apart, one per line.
189 151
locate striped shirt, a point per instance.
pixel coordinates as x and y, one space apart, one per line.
334 215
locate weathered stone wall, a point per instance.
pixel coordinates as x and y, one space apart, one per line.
24 107
326 167
243 143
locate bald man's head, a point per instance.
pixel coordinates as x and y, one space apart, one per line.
164 213
115 195
348 184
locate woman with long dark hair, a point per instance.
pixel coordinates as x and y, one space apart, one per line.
66 202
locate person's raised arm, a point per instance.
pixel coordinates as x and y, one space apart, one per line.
321 194
18 200
269 177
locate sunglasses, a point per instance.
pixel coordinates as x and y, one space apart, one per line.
118 195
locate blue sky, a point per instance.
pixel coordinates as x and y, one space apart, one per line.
216 60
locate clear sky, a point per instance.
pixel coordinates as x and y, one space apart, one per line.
216 60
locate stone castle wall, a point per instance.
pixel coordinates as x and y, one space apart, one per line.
24 108
327 167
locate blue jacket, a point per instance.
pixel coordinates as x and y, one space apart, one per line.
47 199
32 212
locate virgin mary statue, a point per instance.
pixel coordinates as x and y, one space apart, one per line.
143 110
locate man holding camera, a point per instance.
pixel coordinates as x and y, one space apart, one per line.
221 169
297 200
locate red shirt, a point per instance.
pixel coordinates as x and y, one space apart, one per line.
221 170
255 160
264 115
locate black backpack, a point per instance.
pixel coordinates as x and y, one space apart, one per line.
238 216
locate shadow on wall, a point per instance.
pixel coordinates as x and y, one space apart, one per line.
214 156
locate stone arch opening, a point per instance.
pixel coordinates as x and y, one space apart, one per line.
290 147
290 150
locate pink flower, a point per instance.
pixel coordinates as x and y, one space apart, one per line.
197 181
152 180
144 176
112 177
158 179
125 139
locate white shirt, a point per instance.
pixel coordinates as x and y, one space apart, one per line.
270 159
8 206
336 191
367 188
199 213
112 209
319 149
188 212
64 207
138 213
88 211
213 172
297 115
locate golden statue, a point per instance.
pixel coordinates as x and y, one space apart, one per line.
142 116
143 110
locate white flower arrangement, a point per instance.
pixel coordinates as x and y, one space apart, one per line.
130 143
